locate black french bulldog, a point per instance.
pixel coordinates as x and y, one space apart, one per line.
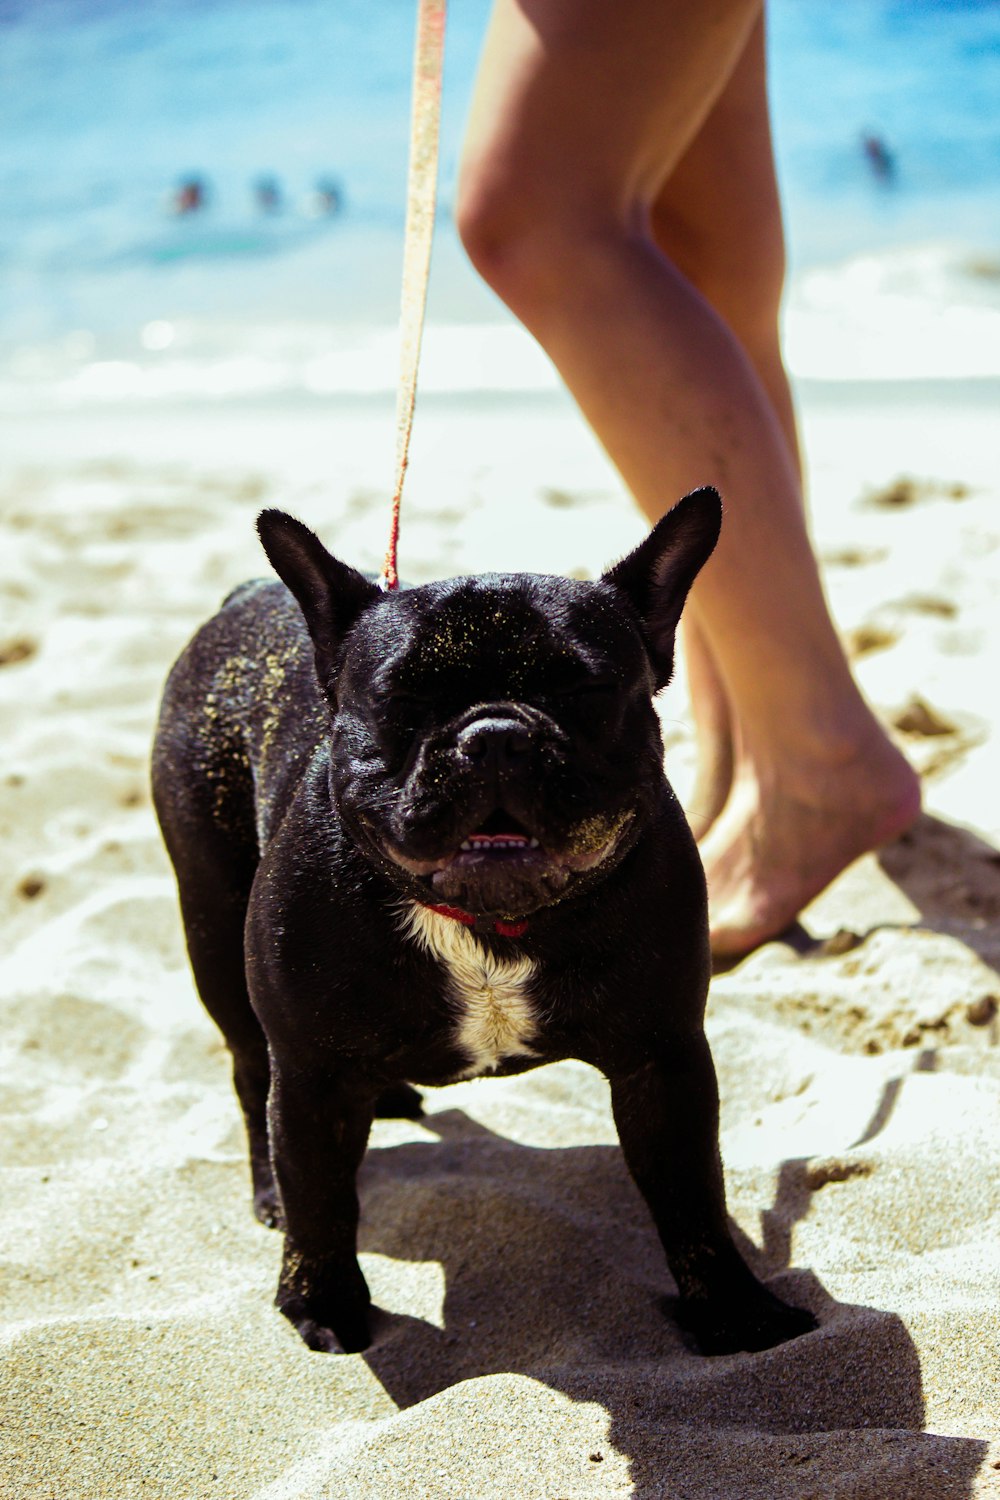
426 835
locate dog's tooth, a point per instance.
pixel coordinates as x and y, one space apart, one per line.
466 846
533 844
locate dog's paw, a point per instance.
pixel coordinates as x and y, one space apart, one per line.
329 1311
350 1338
399 1102
758 1320
266 1207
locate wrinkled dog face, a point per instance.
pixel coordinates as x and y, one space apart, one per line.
495 737
494 742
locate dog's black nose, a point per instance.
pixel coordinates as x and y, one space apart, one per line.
495 744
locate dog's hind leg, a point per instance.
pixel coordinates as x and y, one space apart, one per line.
214 914
215 858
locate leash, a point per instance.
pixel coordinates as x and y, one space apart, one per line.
421 192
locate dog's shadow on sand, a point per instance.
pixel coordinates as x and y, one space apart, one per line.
553 1270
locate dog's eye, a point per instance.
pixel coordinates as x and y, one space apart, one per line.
590 687
410 702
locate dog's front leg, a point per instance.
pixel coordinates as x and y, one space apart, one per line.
318 1127
667 1115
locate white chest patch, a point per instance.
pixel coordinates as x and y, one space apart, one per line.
491 996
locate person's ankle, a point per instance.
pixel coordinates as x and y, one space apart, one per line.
819 744
867 775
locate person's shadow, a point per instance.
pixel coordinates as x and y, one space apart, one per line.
952 876
587 1317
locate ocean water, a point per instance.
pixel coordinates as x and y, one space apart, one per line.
108 106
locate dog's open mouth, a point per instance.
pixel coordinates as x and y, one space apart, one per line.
500 837
502 865
496 843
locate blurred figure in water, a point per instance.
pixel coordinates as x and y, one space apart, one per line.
189 197
879 158
325 200
267 194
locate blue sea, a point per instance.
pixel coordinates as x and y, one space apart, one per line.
108 107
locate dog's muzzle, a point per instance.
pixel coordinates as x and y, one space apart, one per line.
504 869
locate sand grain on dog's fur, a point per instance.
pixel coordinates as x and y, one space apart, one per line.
521 1350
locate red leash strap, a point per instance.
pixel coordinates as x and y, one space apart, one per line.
425 121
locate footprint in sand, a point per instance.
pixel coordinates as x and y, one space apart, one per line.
920 718
77 1037
17 649
906 491
881 633
853 557
929 604
934 742
558 499
865 639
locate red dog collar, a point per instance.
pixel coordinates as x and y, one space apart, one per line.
502 929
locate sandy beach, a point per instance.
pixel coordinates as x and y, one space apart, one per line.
520 1350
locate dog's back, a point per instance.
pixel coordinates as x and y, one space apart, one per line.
243 687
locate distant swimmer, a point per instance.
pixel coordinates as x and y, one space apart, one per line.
189 197
879 158
267 195
325 200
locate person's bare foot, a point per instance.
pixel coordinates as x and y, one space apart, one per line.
787 831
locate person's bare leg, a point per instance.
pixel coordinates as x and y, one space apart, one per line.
731 248
582 112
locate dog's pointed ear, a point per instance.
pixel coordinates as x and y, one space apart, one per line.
330 594
656 577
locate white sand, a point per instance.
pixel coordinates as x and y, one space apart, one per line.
521 1352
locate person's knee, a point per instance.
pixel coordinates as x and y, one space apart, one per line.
488 216
508 229
523 224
